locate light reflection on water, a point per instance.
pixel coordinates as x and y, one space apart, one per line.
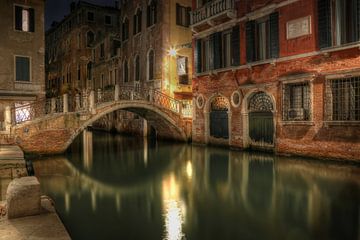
113 187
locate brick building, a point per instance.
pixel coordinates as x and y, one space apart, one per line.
81 50
22 49
281 75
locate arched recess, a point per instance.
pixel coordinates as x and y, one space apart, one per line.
217 119
259 127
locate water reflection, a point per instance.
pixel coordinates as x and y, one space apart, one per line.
112 187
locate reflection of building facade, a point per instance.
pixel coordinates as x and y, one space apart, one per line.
22 48
81 50
281 75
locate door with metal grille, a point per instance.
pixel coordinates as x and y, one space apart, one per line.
219 124
261 121
261 127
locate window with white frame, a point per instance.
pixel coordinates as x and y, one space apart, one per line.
151 13
343 99
22 69
24 19
296 102
137 21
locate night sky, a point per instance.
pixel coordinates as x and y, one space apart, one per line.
55 10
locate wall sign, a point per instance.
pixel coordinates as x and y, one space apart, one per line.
298 27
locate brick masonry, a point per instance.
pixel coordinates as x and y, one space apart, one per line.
316 138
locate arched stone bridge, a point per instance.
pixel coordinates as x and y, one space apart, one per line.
49 126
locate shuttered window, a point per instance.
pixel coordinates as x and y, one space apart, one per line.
219 50
262 38
22 68
339 22
24 19
182 15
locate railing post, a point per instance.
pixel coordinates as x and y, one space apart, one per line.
85 99
117 92
151 95
66 103
132 95
180 108
77 102
92 101
7 118
53 105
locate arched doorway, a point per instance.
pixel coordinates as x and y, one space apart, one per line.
261 119
219 120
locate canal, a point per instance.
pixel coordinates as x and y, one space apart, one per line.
115 187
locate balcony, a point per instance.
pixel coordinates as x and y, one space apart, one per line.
212 14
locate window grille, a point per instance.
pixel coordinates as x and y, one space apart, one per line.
296 102
343 99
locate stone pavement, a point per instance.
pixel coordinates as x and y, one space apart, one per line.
47 225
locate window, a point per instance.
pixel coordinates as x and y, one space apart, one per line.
125 30
296 102
182 15
343 99
108 20
102 50
151 13
79 72
79 41
90 38
225 45
339 22
22 69
262 38
137 21
137 68
90 16
89 70
24 19
116 46
102 81
126 71
151 65
182 70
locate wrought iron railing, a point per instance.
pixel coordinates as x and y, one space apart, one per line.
211 9
81 102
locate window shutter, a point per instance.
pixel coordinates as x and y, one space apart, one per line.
188 16
250 41
197 56
177 14
217 50
324 23
274 35
18 18
235 45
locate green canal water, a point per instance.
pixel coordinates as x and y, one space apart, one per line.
115 187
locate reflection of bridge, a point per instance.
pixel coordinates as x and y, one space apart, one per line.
49 126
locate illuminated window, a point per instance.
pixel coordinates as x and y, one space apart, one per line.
24 19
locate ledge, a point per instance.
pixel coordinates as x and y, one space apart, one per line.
300 123
342 123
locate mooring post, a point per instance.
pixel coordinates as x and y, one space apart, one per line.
66 103
117 92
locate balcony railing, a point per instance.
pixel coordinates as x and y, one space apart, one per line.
211 9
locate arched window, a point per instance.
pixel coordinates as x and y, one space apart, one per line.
137 68
125 29
89 70
137 21
126 71
151 65
151 13
90 38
